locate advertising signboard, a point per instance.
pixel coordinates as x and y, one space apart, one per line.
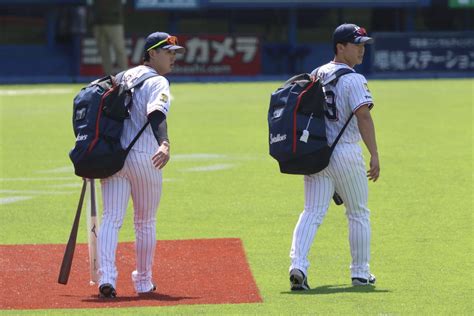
461 3
434 52
206 55
166 4
196 4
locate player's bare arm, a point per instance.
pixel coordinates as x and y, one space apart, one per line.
367 131
162 155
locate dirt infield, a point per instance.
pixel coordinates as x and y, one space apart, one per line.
203 271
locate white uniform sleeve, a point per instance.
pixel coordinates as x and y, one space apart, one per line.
358 91
159 95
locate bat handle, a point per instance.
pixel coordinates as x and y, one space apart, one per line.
337 199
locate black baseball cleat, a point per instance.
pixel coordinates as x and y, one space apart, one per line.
362 281
106 290
298 280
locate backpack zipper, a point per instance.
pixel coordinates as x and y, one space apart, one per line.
296 110
96 137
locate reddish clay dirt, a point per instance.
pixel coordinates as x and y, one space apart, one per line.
204 271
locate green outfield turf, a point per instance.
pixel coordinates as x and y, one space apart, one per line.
221 182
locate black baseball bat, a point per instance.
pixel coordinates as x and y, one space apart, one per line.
71 244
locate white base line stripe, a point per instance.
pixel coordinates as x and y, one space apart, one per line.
35 192
13 199
192 157
12 92
210 168
68 169
39 179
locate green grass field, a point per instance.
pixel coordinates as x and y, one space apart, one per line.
221 182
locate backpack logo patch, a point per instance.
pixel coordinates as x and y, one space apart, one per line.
80 114
278 138
81 137
278 112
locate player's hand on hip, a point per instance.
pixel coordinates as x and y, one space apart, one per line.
374 171
162 155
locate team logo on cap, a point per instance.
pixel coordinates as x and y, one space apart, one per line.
360 31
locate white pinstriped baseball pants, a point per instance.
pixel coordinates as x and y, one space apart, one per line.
346 175
141 180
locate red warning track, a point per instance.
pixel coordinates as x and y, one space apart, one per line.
204 271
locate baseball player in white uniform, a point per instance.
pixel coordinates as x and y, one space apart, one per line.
346 173
141 176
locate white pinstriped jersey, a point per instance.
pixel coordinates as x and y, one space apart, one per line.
349 93
152 95
345 174
138 179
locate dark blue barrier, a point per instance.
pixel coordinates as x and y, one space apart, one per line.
59 63
288 60
436 53
283 59
35 60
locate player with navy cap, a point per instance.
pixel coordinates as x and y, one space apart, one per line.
350 33
141 176
346 173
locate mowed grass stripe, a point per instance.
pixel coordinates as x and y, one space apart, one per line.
421 206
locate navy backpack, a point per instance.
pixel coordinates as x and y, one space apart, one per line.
99 112
297 127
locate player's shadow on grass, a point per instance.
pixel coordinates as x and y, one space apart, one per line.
332 289
140 297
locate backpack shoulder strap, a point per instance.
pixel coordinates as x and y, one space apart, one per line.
343 71
119 76
142 79
137 82
301 78
315 72
337 74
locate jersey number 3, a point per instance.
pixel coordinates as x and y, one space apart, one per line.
331 110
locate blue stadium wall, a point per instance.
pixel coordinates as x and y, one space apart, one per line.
401 53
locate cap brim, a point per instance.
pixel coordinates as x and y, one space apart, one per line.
364 40
178 49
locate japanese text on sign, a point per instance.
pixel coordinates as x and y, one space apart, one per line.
205 55
421 60
430 52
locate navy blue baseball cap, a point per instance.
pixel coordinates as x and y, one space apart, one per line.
351 33
162 40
